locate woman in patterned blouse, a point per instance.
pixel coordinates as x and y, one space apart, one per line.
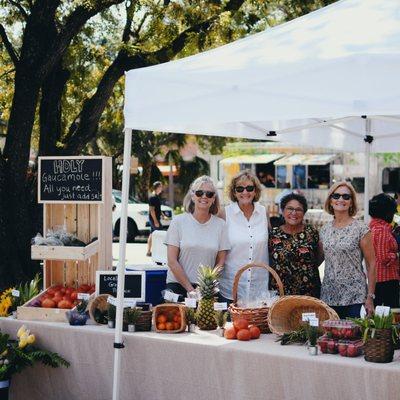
382 209
346 241
295 250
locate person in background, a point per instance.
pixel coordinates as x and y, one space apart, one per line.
346 241
295 250
196 237
247 224
396 219
382 209
154 213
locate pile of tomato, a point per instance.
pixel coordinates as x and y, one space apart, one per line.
60 296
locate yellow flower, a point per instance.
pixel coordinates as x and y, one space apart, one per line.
21 331
31 339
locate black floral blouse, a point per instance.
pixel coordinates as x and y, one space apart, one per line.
294 258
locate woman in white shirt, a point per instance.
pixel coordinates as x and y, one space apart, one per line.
247 223
196 237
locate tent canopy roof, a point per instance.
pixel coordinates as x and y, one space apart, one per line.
306 159
251 159
335 65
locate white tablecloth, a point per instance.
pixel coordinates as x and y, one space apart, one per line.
198 366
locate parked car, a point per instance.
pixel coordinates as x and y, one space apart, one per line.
138 216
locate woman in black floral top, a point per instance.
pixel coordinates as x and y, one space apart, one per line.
295 250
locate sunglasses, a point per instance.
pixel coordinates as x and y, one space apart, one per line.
240 189
337 196
201 193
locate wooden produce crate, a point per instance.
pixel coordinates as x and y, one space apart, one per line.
64 252
28 313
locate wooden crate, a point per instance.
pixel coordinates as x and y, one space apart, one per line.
74 266
28 313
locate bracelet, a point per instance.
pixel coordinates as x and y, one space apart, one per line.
371 296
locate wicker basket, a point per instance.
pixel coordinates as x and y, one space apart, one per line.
99 302
286 313
255 316
380 349
169 310
143 324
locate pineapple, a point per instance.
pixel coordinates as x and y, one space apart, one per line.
208 287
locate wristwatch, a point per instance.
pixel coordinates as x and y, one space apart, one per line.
372 295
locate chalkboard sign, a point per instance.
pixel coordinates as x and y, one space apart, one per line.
135 284
70 179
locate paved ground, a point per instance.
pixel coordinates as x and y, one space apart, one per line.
135 253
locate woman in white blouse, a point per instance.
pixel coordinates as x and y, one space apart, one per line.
247 223
196 237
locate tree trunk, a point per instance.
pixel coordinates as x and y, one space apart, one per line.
144 181
50 110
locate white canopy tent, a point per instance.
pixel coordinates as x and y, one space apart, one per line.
328 79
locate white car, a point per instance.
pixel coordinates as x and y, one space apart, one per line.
138 216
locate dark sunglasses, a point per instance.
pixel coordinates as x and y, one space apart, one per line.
337 196
201 193
241 189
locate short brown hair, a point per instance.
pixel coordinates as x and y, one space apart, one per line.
353 208
243 176
188 203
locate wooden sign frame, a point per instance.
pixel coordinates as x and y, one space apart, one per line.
103 182
143 283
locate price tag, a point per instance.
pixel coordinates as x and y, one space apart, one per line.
129 303
307 315
220 306
191 303
382 311
83 296
112 300
171 296
15 292
313 321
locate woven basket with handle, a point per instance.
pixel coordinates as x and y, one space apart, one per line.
254 316
286 313
380 348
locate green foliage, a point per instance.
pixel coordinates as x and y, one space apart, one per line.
82 306
14 358
370 324
131 315
111 312
221 318
27 291
190 315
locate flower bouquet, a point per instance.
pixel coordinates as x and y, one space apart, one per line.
15 355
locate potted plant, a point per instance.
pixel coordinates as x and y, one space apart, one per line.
79 315
221 318
312 336
111 314
15 355
131 315
190 316
379 335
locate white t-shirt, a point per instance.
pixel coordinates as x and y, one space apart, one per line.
198 243
249 243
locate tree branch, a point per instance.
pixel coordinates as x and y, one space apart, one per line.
20 8
9 47
10 71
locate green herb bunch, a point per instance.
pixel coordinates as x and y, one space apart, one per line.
369 325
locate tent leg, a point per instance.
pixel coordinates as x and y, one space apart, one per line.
118 345
368 141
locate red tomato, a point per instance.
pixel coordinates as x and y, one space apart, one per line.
64 304
74 295
50 291
69 290
67 297
62 290
57 299
48 303
59 293
57 287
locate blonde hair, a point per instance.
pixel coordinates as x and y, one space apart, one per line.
188 203
353 208
244 176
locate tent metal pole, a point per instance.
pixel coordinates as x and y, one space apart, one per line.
368 141
118 345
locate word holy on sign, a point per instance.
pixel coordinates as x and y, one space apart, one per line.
65 166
